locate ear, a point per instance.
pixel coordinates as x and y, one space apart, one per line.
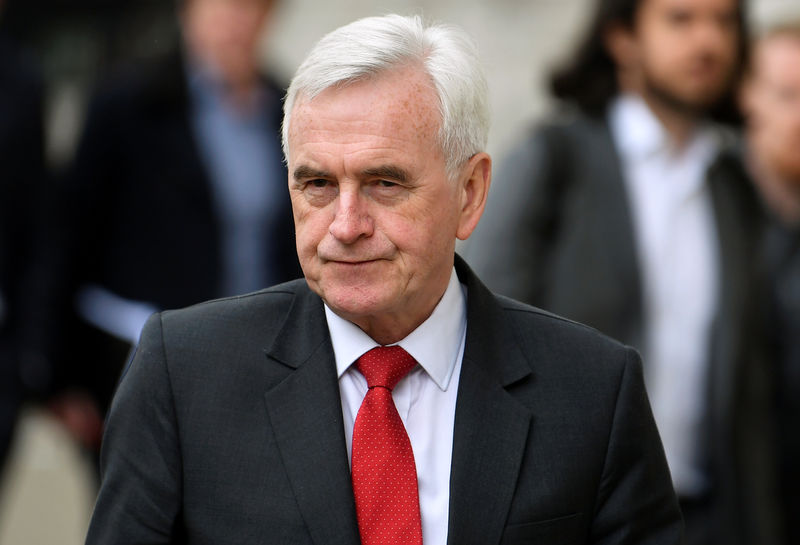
474 191
620 43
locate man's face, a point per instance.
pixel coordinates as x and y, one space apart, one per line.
375 212
227 32
687 50
772 105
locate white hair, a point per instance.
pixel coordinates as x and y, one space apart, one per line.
372 46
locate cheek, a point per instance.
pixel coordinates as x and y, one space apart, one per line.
310 227
428 236
777 125
788 135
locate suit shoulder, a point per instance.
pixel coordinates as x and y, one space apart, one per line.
267 308
536 327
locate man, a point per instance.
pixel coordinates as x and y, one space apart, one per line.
771 103
179 164
239 420
624 218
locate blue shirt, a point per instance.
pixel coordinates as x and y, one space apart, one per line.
243 160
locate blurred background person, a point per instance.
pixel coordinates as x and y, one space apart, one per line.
179 164
771 104
22 175
625 214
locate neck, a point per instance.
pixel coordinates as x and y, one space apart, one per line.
391 328
679 124
241 93
782 197
677 119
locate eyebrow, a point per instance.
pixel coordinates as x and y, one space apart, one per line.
305 172
392 172
387 171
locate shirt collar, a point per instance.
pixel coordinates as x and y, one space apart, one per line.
641 138
636 130
435 344
638 133
208 87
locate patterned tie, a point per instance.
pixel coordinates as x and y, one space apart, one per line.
384 473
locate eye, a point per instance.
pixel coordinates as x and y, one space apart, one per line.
387 192
679 17
319 191
386 187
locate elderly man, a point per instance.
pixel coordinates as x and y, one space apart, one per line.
388 397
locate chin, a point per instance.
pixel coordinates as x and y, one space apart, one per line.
353 300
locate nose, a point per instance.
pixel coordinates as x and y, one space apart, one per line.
352 220
716 33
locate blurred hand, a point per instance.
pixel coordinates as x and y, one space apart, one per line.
79 414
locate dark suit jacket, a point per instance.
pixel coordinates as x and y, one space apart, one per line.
227 428
135 215
558 234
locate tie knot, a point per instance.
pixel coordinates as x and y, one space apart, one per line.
385 365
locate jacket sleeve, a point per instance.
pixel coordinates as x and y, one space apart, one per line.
636 502
140 492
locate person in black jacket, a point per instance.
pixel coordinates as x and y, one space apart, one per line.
176 195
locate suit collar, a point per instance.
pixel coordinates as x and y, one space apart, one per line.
436 343
489 421
303 330
306 417
488 334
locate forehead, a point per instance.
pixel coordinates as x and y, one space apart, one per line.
780 52
398 107
691 6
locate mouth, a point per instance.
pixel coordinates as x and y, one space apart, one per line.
351 262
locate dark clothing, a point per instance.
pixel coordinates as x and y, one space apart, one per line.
782 249
135 216
228 427
22 173
559 234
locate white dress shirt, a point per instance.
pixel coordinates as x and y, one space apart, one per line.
673 220
425 399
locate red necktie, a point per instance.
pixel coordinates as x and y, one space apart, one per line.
384 473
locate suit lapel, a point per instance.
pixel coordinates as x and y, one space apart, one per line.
736 229
491 427
614 233
306 417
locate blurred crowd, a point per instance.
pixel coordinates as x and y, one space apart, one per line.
659 203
